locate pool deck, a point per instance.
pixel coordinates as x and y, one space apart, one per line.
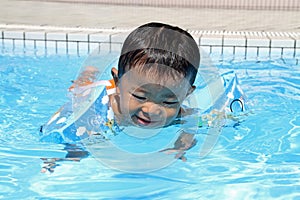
88 25
127 17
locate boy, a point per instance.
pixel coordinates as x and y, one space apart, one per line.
156 71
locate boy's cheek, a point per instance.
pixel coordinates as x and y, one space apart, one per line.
128 105
172 113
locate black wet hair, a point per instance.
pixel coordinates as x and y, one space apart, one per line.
163 45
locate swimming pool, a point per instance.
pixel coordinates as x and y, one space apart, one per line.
256 157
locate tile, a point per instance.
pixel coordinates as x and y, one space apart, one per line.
211 40
105 47
116 47
251 52
56 36
118 37
258 42
297 54
83 48
205 50
234 41
94 47
61 48
78 37
29 44
289 52
51 47
99 37
35 35
282 43
239 52
276 52
264 52
7 44
298 43
18 45
227 51
14 34
41 44
73 48
40 47
216 51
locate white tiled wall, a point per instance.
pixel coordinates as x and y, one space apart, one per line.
52 40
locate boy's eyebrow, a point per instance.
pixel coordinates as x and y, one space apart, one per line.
170 95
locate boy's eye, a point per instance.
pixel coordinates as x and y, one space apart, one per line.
170 102
139 97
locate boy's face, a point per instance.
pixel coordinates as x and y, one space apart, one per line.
150 102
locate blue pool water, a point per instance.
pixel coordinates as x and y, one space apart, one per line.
256 157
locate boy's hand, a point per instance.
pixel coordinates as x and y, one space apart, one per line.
184 142
74 153
51 163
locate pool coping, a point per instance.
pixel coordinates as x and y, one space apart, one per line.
80 40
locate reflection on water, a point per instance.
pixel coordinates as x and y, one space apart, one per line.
256 157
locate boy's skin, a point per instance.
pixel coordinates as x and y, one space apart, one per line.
148 102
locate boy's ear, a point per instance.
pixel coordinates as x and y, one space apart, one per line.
191 90
114 73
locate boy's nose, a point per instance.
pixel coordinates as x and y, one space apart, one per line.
152 109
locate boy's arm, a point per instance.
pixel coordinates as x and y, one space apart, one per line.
186 139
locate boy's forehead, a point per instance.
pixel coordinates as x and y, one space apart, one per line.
135 79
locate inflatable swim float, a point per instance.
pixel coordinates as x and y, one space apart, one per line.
85 114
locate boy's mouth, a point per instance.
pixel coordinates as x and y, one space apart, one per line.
143 121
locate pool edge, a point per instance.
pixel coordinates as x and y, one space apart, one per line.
82 39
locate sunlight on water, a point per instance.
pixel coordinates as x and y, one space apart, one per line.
256 157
